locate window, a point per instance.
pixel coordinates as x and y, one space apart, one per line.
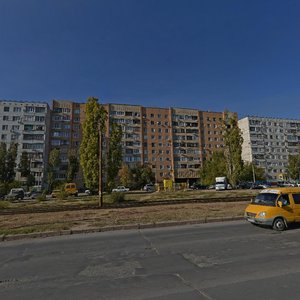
17 109
296 198
29 109
6 109
285 199
5 118
40 109
4 127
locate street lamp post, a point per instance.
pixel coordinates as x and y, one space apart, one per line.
100 168
253 173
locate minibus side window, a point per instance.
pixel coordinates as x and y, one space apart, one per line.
285 199
296 198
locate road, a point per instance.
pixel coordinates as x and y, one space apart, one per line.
232 260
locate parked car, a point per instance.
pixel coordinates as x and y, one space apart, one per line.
15 194
260 185
120 189
71 189
149 187
198 186
88 192
244 185
35 194
55 193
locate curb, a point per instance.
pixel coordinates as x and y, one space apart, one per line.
15 237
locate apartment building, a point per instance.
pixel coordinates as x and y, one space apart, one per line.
27 124
173 141
66 133
268 142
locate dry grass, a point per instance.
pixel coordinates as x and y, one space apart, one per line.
39 222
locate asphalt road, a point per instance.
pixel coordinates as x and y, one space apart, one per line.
233 260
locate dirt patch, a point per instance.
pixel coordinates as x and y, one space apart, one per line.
39 222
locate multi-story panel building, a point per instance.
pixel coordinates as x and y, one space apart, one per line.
66 134
27 124
129 117
268 142
173 141
157 142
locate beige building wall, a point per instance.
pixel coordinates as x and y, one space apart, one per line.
173 141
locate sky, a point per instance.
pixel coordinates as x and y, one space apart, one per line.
243 56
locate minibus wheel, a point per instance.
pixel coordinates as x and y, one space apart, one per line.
279 224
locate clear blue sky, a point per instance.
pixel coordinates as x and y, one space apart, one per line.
241 55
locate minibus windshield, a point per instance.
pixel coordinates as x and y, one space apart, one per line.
267 199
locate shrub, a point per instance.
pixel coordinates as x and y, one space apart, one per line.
62 195
117 197
41 197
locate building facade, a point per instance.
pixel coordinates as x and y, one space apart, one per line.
27 125
173 141
268 142
66 134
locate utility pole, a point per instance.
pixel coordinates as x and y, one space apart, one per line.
100 168
253 172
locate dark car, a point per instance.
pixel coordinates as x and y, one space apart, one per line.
35 195
15 194
245 185
197 186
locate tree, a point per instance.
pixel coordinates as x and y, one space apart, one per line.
232 147
30 180
11 157
247 172
24 166
126 176
141 174
96 117
114 157
73 166
3 153
213 168
294 166
54 161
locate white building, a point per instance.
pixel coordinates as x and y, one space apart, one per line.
27 124
268 142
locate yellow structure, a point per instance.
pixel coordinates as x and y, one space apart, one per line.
168 184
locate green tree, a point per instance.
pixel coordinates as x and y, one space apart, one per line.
54 161
30 180
73 166
3 152
232 147
11 157
213 168
294 166
125 176
24 166
247 172
96 117
114 157
141 174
